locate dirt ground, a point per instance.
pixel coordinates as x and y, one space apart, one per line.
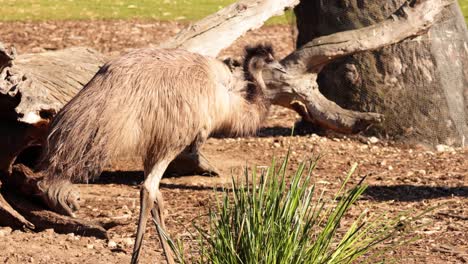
400 177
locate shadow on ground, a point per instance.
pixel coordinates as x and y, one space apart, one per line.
299 129
411 193
402 193
134 178
120 177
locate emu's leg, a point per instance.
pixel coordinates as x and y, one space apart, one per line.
192 161
158 219
148 196
145 209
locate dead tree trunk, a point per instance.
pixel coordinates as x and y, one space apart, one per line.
420 85
34 87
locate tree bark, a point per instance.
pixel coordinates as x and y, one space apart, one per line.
230 22
419 85
33 88
23 181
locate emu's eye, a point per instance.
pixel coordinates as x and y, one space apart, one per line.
268 60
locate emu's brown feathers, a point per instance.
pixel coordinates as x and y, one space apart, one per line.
149 103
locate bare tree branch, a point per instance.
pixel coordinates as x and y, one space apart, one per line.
218 31
298 88
408 21
6 211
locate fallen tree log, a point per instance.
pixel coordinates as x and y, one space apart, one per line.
24 180
33 87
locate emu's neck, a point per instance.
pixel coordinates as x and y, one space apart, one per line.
246 105
255 83
258 79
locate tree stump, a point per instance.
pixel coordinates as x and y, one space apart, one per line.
420 85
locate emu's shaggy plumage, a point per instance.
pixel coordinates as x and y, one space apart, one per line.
154 103
148 103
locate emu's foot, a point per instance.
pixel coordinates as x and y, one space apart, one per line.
61 197
191 164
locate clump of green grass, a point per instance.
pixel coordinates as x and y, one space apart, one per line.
283 220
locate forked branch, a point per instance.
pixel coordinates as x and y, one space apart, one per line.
408 21
298 89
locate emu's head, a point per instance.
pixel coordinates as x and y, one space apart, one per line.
258 58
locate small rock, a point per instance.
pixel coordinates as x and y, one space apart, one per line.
128 241
373 140
390 168
276 145
111 244
444 148
422 172
70 237
5 231
440 148
90 246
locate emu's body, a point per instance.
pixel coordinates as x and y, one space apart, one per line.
153 103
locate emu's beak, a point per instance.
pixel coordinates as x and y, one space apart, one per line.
277 66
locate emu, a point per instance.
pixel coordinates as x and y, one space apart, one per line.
155 103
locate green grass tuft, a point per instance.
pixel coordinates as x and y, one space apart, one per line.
285 220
